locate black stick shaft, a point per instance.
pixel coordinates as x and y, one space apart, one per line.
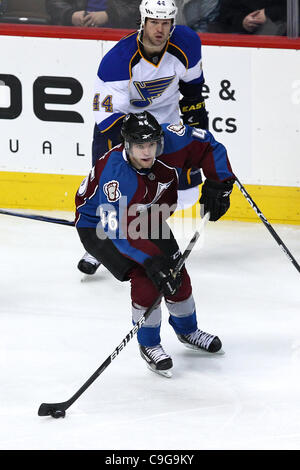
41 218
267 224
46 409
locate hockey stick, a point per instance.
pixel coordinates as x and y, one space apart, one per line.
267 224
58 410
41 218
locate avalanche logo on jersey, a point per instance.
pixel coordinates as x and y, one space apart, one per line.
111 190
161 188
150 90
178 129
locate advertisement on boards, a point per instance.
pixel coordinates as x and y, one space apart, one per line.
46 114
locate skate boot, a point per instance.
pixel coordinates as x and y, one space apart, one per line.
88 264
157 360
201 340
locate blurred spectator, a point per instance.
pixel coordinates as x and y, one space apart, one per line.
94 13
180 19
3 7
21 11
201 14
254 16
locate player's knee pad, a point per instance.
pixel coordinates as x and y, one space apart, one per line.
143 291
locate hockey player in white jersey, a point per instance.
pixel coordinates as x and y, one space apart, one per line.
159 69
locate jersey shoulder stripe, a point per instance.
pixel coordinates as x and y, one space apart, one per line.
178 53
116 63
188 41
134 61
109 122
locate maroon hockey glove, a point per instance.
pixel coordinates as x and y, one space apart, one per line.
215 198
162 275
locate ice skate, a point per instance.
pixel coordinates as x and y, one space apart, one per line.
88 264
157 360
199 340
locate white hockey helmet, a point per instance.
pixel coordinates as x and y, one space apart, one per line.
159 9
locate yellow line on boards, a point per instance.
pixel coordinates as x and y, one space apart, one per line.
38 190
279 204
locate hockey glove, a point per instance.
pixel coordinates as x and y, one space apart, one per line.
162 275
215 198
194 112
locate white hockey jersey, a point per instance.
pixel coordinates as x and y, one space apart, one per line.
128 82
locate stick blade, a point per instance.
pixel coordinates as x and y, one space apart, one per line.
49 409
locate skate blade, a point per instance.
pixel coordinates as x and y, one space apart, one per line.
164 373
204 351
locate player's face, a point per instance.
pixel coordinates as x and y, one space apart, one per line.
143 155
156 32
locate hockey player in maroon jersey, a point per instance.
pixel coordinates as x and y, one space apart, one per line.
156 69
121 220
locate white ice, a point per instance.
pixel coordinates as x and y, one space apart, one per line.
55 331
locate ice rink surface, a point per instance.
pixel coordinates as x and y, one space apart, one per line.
55 331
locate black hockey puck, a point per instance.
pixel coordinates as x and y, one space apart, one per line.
58 414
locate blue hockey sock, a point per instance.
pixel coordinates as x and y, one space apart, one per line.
184 325
149 336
